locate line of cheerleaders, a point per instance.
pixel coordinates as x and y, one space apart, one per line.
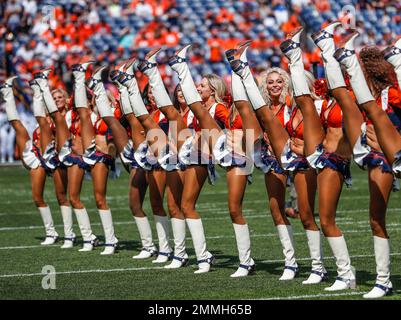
298 131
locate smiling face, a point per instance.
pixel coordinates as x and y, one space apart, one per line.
151 98
205 90
180 98
275 85
60 100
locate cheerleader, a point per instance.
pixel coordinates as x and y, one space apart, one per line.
275 177
238 175
149 123
128 140
289 160
59 172
328 152
31 156
178 133
181 105
390 147
147 157
367 156
177 137
163 256
96 155
60 177
237 165
240 121
275 89
205 103
157 176
72 159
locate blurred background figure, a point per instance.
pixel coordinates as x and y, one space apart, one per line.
7 138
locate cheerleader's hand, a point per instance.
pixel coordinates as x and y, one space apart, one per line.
297 146
372 138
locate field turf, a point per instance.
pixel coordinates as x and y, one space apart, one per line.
92 276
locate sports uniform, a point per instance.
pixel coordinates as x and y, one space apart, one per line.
263 157
191 154
368 157
331 117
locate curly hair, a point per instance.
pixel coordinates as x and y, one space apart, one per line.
378 72
287 89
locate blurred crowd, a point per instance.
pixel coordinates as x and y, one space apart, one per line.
40 34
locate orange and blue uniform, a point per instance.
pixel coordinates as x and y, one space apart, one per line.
189 118
161 120
219 113
331 117
235 159
91 154
189 155
298 162
264 159
389 100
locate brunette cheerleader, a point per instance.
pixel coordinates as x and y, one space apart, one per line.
367 156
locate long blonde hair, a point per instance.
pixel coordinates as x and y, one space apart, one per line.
218 86
310 79
287 89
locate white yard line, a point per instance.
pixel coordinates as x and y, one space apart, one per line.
81 271
320 295
247 215
264 235
160 268
28 247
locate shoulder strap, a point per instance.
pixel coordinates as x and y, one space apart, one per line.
68 118
190 118
287 114
384 98
212 110
319 106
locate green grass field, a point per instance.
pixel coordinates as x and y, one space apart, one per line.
91 276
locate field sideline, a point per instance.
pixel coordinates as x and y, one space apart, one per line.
91 276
